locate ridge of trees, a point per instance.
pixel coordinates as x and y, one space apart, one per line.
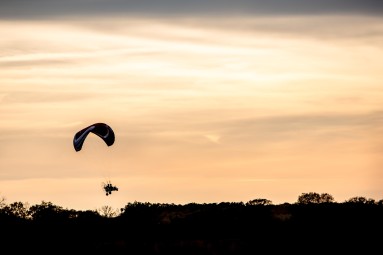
49 211
315 222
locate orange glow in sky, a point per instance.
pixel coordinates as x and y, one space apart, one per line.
204 110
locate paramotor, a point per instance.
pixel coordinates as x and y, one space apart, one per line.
108 188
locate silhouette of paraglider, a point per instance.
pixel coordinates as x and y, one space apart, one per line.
108 188
103 131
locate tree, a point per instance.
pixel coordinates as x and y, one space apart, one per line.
360 200
315 198
18 209
326 198
2 202
108 212
259 201
46 211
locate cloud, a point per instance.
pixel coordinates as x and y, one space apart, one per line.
16 9
213 138
300 127
42 97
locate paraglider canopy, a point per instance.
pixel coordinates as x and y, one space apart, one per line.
102 130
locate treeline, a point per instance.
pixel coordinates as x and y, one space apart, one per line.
315 221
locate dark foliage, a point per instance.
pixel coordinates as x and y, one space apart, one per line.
313 224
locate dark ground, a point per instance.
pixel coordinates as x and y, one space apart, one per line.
226 228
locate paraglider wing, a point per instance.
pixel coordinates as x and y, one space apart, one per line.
102 130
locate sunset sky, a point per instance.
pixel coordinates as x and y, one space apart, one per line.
210 101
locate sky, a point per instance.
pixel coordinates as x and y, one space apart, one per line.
210 101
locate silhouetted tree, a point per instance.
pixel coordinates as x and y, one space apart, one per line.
18 209
2 202
326 198
108 212
48 212
315 198
88 217
360 200
259 201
